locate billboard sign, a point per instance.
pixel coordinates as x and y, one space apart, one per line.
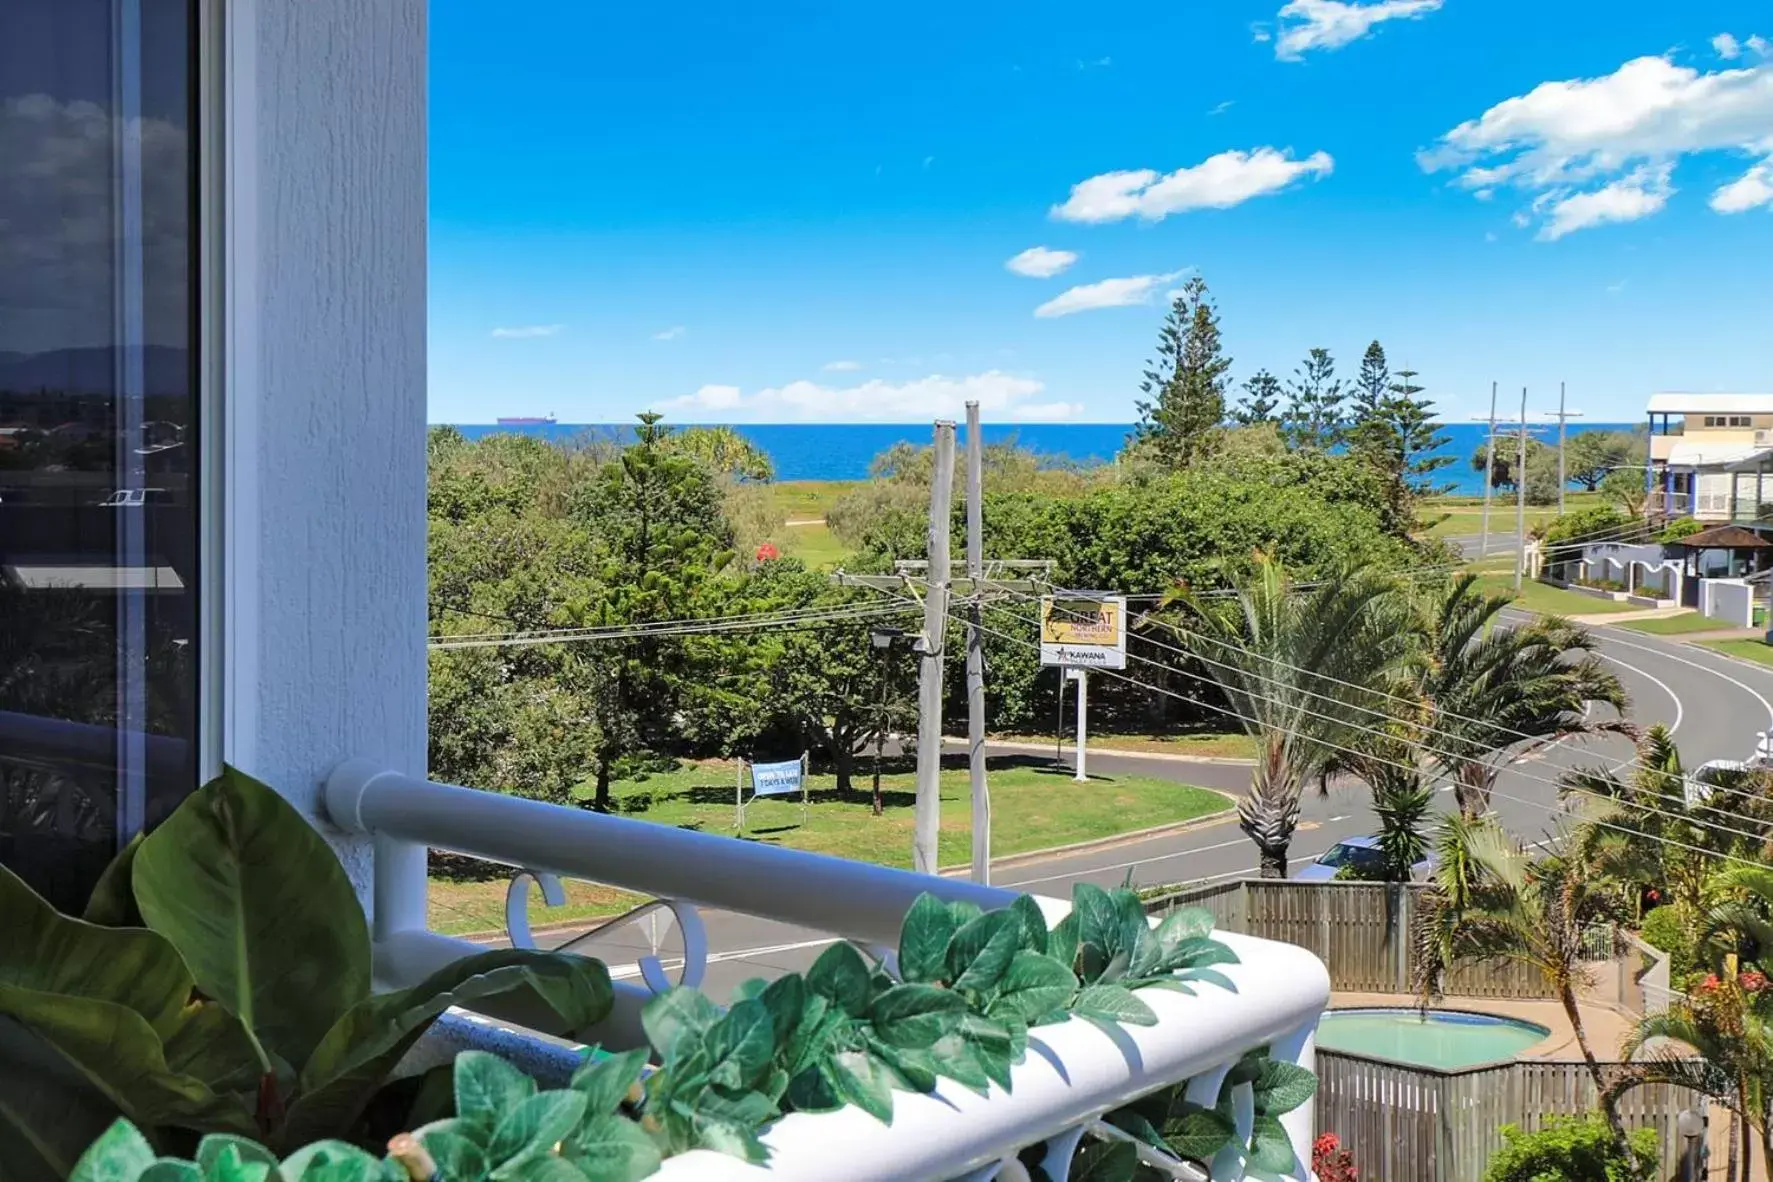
1083 630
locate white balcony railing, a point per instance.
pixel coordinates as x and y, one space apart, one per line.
1074 1072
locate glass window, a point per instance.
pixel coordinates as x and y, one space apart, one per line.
98 430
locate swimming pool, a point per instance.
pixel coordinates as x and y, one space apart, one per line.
1444 1039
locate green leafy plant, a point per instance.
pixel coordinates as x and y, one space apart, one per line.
1572 1149
220 983
967 988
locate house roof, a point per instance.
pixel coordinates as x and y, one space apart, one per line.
1711 404
1725 537
1698 453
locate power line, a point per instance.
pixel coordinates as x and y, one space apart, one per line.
1493 792
1423 746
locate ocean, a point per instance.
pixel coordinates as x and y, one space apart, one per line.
843 451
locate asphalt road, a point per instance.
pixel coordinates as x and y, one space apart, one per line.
1715 706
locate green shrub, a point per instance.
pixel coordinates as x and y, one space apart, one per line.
1572 1149
1685 527
1668 930
1599 521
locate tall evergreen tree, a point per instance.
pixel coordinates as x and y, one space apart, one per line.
1373 386
1185 383
1417 431
1261 402
1313 417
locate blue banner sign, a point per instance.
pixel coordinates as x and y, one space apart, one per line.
776 779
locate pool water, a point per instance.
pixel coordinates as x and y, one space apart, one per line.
1441 1038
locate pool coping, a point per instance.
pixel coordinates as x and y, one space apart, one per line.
1486 1065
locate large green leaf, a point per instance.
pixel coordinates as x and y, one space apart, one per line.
741 1046
487 1086
859 1079
114 1050
356 1055
981 950
611 1148
1271 1150
112 902
1034 923
923 940
532 1129
1111 1003
606 1081
913 1016
841 976
1033 985
1281 1087
677 1020
45 951
1105 1161
259 907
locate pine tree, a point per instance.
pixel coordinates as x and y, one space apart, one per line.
1418 436
1314 404
1185 383
1262 400
1373 386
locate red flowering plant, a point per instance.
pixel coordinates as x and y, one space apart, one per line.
768 552
1332 1163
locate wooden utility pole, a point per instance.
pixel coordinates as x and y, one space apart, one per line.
981 791
1563 417
1489 473
927 823
1520 501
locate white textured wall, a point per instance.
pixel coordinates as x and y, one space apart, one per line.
339 204
1729 601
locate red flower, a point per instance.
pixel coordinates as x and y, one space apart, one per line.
768 552
1331 1162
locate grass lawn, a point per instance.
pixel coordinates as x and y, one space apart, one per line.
1674 625
802 499
1748 650
814 545
1554 601
1235 745
1465 515
1033 807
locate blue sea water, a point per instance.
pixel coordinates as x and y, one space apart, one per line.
843 451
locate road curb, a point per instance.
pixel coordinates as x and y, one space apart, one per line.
1723 656
1012 861
1123 752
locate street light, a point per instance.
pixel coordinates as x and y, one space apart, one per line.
883 640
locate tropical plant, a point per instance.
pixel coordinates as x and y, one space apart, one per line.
1331 1162
1492 688
1492 902
220 982
969 986
1573 1149
723 451
1303 670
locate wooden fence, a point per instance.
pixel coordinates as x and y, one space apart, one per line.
1362 933
1416 1124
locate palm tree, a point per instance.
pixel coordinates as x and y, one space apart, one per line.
1304 670
1491 901
1493 686
1663 828
1719 1044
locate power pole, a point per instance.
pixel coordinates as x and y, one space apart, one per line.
1563 417
927 824
981 791
1520 501
1489 471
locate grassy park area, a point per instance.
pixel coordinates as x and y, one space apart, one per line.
1200 744
1674 625
1034 806
1748 650
1554 601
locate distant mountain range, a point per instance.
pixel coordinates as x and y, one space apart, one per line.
93 371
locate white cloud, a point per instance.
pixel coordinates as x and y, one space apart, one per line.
1100 63
1625 132
1219 182
1727 46
1760 46
1002 396
1038 262
1752 190
527 332
675 333
1306 25
1109 293
1223 107
841 366
1627 199
1260 32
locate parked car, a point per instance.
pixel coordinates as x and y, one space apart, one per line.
1362 853
132 498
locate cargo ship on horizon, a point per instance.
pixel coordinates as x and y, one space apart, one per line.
527 421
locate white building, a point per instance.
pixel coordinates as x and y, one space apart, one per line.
1710 455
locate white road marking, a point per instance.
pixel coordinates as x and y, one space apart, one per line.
1224 845
1680 707
1745 688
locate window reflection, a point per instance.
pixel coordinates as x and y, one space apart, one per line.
98 506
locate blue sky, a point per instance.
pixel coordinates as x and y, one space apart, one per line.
781 212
